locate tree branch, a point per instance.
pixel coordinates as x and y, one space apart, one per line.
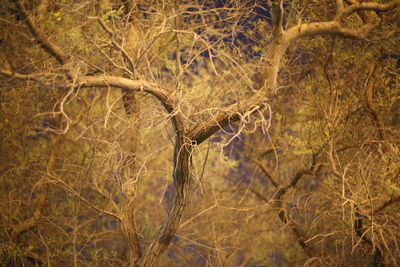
224 117
117 46
333 27
124 83
20 76
40 37
84 200
278 197
363 15
267 171
368 6
231 114
359 229
182 160
391 201
336 26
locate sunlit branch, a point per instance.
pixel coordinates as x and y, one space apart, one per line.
106 81
124 83
117 46
368 6
187 138
337 26
224 117
182 159
330 27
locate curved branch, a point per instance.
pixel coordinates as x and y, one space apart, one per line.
368 6
253 103
333 27
124 83
231 114
182 156
362 14
336 26
224 117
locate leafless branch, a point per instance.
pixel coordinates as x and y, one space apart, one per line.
28 77
117 46
40 36
84 200
336 26
137 85
368 6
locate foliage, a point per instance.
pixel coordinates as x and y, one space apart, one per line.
300 159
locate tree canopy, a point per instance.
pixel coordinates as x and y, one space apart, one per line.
200 133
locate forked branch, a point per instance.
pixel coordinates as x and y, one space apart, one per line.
337 25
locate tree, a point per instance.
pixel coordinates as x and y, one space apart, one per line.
99 63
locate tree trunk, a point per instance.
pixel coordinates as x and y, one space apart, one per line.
129 174
181 174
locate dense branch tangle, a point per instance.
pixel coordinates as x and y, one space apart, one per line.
190 134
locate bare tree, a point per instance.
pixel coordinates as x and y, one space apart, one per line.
132 50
